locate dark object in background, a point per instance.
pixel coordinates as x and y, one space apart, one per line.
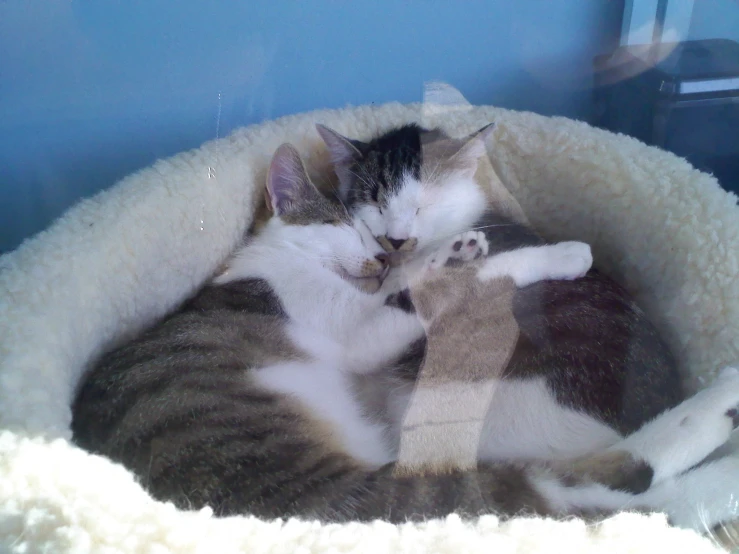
683 97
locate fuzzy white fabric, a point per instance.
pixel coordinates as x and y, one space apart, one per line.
117 262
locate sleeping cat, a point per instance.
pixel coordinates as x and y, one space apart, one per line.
588 368
445 419
240 400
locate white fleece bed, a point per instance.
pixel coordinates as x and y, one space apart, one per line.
118 261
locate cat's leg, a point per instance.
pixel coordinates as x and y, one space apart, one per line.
378 335
397 280
699 499
561 261
385 331
464 247
644 470
685 435
647 463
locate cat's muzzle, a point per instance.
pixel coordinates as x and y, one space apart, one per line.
399 250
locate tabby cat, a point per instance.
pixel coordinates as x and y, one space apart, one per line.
241 400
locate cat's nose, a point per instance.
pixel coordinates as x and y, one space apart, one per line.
396 243
383 258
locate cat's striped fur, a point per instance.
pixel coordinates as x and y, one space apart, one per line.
183 407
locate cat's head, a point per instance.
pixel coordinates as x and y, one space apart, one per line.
411 186
319 228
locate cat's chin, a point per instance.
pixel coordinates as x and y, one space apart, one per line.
370 284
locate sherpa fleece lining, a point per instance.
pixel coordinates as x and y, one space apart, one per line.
118 261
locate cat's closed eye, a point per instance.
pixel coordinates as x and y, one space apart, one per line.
331 222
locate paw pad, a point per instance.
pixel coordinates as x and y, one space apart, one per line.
471 245
463 248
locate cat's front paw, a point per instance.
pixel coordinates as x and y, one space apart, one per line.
568 260
465 247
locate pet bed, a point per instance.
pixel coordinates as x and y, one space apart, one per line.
118 261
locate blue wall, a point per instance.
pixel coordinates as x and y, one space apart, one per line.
714 19
90 91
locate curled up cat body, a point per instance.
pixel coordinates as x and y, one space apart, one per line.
588 367
240 399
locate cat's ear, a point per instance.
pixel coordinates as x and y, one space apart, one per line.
287 180
343 150
473 148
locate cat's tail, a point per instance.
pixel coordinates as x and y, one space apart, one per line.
201 449
504 489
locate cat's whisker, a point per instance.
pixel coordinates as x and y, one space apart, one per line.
448 151
481 227
337 195
448 147
361 178
723 537
435 171
706 528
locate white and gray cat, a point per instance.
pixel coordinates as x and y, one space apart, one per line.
241 400
587 368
